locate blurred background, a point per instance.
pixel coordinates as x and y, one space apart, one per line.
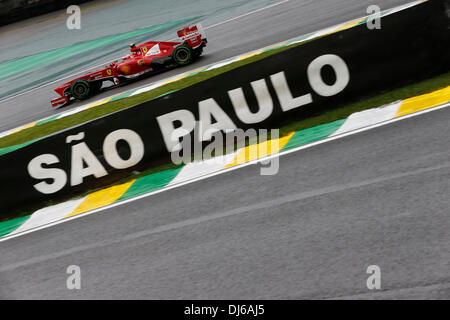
43 49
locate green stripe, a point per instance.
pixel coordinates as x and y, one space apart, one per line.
150 183
123 95
195 73
47 120
9 226
16 147
165 94
303 137
363 21
275 48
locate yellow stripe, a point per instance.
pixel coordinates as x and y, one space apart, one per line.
195 71
275 45
175 79
423 102
99 103
246 56
260 150
349 25
101 198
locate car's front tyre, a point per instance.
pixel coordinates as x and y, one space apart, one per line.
80 89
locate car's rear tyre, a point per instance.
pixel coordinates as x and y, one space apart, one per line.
182 55
80 89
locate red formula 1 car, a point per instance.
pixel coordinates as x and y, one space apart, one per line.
146 58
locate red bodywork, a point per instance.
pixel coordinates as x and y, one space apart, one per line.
143 58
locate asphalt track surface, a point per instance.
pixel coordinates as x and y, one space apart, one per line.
254 31
379 197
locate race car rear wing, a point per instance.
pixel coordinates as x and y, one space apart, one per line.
194 35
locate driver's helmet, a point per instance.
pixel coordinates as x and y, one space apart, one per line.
133 48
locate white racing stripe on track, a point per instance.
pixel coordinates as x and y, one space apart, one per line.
49 215
247 14
368 117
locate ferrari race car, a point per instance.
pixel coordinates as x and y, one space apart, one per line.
146 58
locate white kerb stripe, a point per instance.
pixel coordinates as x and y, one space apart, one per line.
148 88
49 215
198 169
369 117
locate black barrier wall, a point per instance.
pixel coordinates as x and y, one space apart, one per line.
322 74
